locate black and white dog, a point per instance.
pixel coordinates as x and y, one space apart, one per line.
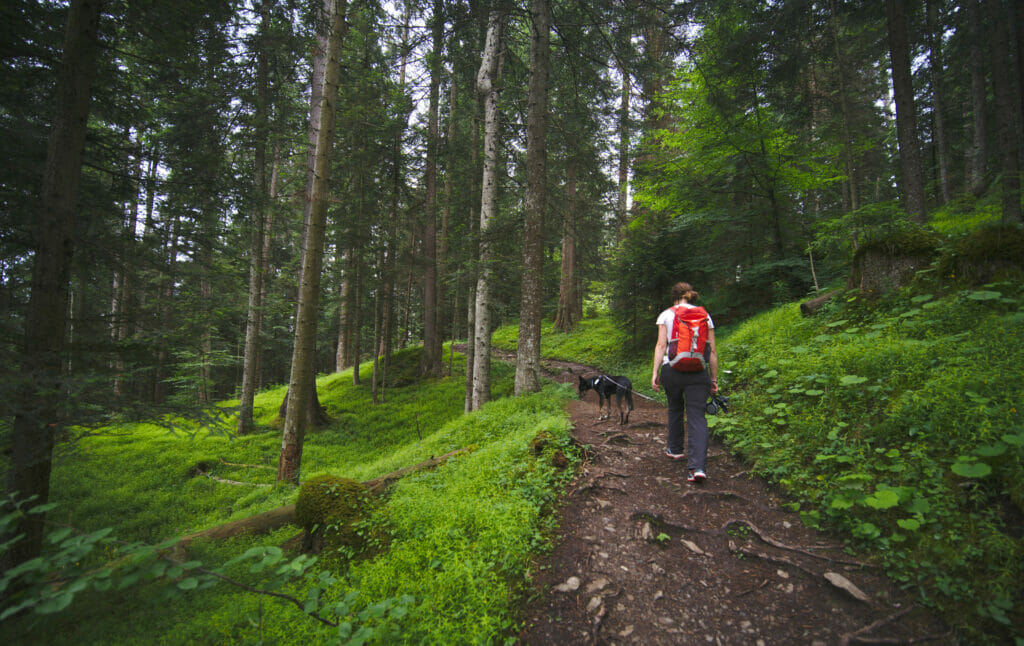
605 386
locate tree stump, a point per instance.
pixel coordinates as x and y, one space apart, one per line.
887 264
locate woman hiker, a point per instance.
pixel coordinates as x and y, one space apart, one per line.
686 391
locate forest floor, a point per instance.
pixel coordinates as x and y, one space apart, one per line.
643 557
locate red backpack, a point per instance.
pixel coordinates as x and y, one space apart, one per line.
688 339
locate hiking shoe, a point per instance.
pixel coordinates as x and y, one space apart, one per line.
674 456
697 475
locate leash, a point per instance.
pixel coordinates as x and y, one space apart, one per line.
639 394
635 392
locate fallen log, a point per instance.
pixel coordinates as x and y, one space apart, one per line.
811 307
273 519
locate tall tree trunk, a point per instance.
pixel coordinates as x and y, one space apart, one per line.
268 230
934 30
977 155
474 251
205 254
566 316
122 307
430 361
527 378
446 218
487 86
302 382
356 325
1018 10
906 113
375 378
1003 90
622 205
257 261
39 417
167 295
343 295
851 195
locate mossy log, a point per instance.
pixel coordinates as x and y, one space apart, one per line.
273 519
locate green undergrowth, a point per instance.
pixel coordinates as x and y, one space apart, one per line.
897 422
894 422
452 547
595 342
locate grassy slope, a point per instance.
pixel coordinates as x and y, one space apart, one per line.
462 536
897 423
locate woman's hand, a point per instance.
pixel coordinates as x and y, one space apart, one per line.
654 382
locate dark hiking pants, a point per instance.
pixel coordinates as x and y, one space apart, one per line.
687 392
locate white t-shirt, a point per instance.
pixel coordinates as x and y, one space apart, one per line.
666 318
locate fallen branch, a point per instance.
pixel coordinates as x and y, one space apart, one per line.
377 485
248 466
235 482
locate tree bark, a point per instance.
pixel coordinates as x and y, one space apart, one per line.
38 418
527 378
934 30
977 155
303 353
474 250
268 230
1003 89
257 261
566 316
906 114
430 360
487 86
622 205
851 194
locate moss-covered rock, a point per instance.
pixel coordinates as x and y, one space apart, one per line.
887 263
329 508
987 254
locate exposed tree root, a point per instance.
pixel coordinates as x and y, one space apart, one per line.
663 525
858 636
592 486
717 494
751 589
783 546
764 556
619 438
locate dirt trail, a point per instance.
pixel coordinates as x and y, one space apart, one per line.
646 558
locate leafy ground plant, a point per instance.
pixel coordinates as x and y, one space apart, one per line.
897 422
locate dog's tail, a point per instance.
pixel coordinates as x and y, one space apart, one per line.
629 398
